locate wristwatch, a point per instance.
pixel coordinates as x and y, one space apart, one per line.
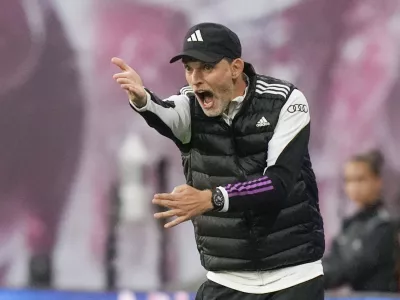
217 199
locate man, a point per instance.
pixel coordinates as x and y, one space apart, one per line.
251 191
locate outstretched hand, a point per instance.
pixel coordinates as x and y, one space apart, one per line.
130 81
185 202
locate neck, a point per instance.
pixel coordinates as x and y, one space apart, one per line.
240 87
371 203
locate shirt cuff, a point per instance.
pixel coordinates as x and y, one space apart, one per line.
145 107
226 199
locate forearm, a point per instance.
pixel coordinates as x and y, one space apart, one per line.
256 195
170 117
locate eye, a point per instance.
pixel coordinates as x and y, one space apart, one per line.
208 67
187 68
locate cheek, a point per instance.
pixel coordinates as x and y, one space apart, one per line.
371 187
225 90
348 188
353 189
360 190
188 79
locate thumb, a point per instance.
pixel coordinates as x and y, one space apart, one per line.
120 63
180 188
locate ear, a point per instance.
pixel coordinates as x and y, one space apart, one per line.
237 67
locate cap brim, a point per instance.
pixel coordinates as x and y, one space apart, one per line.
197 55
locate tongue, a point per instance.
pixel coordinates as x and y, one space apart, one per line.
208 102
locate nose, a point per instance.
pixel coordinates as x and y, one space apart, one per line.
197 77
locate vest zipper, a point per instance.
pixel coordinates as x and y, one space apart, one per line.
242 175
248 215
246 101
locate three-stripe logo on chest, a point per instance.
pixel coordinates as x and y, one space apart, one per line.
272 88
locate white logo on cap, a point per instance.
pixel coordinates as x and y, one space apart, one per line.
195 37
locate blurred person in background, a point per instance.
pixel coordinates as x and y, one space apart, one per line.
363 255
251 190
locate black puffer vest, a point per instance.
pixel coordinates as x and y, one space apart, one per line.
219 154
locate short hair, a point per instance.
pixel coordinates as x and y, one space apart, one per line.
373 158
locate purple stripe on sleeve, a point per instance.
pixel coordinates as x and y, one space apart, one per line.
252 192
252 186
244 183
230 188
255 180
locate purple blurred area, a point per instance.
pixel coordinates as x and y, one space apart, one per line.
69 140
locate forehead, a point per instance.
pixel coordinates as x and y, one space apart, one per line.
356 167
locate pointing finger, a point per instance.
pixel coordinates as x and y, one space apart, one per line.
120 63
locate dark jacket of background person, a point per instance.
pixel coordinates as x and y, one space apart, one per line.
364 254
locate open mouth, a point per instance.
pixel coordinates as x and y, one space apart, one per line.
206 98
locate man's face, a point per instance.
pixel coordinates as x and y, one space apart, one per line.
213 85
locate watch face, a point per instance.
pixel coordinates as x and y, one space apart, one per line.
218 199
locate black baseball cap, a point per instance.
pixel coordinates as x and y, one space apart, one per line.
210 42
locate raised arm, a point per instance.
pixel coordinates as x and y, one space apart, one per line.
170 117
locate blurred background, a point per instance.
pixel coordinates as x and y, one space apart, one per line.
78 167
